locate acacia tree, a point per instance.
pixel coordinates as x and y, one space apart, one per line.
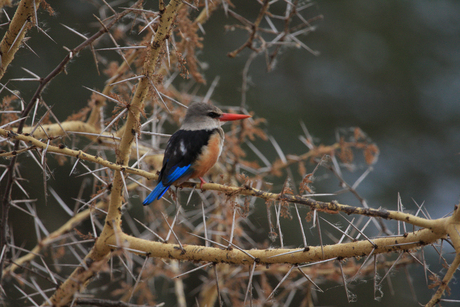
199 238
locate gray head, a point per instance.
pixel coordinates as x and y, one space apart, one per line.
201 116
204 116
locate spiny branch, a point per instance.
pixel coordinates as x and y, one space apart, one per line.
264 257
79 154
254 27
331 207
16 32
68 226
34 100
100 252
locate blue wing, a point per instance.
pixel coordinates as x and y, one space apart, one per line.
177 163
163 185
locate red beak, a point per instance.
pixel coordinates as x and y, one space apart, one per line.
225 117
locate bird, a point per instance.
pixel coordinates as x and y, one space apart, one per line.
194 148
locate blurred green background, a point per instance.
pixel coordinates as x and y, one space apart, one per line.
388 67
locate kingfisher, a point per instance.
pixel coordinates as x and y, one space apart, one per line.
194 148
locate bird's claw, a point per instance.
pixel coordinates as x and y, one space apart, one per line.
202 182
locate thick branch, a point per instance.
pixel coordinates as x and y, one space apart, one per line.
24 13
101 251
8 47
132 123
55 130
453 229
16 32
295 256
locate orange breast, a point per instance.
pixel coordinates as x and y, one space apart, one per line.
208 156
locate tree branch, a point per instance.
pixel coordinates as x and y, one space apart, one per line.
16 32
101 251
310 254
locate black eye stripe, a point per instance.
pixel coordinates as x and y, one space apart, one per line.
213 114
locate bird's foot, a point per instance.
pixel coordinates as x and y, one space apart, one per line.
202 182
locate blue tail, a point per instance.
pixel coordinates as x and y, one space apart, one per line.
157 193
174 174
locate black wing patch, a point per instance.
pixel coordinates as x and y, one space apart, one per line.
183 149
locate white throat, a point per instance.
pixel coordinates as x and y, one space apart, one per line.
203 123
